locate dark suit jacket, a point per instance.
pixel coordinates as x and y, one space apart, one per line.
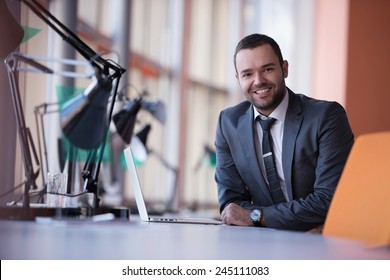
316 143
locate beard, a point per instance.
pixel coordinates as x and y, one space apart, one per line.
267 104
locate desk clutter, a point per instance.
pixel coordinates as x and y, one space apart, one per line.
80 213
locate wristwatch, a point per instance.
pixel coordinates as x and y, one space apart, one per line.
256 217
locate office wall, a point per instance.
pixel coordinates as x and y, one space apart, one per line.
350 60
367 89
330 50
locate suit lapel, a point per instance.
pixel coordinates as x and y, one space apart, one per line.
292 125
246 139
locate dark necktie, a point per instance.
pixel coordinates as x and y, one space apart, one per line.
269 161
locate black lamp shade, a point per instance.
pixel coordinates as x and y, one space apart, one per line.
138 144
125 120
157 109
143 134
84 118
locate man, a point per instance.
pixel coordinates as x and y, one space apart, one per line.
310 142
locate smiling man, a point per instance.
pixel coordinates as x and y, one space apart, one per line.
279 154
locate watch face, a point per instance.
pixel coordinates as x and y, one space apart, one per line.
255 215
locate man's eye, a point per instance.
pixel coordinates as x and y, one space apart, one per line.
245 75
268 69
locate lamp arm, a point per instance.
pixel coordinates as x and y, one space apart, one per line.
24 136
100 64
170 206
24 132
91 168
163 161
41 110
28 149
67 35
36 66
30 64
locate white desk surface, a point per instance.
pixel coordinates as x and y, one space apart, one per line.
126 240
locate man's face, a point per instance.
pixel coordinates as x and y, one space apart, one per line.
261 77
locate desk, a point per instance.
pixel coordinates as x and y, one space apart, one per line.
126 240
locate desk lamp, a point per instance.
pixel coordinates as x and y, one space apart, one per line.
126 119
85 110
84 119
156 108
209 157
138 144
17 62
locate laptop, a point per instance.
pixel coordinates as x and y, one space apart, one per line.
141 206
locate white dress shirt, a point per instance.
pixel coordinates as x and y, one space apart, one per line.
277 140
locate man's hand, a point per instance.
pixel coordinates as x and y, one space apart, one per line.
236 215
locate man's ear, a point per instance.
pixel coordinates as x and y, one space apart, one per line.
285 68
237 78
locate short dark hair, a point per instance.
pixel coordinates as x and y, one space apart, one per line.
255 40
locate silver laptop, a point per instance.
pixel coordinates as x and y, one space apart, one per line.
139 199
